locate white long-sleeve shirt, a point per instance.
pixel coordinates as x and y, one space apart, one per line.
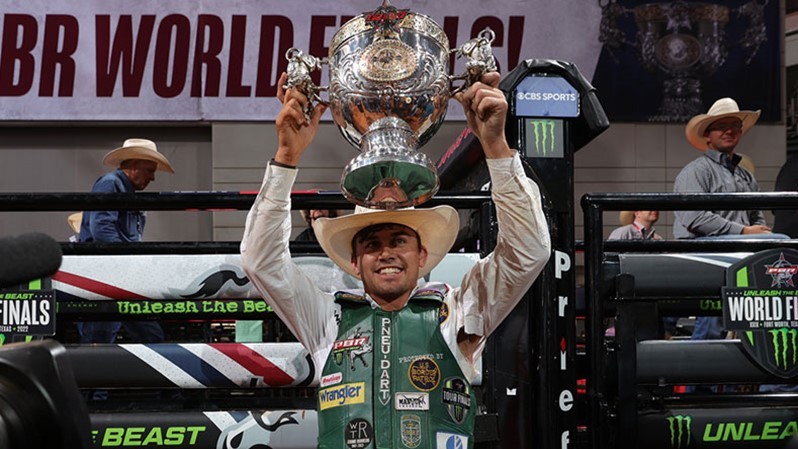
486 295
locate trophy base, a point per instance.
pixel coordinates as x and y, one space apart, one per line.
388 183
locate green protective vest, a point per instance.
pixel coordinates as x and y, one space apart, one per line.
391 381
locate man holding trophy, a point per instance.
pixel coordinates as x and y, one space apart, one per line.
397 357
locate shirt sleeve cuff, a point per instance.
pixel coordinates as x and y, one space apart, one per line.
278 182
503 170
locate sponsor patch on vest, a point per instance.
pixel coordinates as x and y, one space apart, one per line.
410 430
412 401
385 361
359 434
352 348
424 374
456 395
443 313
345 394
446 440
331 379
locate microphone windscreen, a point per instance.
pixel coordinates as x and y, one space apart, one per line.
26 257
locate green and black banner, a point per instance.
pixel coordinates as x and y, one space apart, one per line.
760 301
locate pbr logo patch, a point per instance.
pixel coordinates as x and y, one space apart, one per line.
353 348
359 434
410 430
761 303
424 374
456 396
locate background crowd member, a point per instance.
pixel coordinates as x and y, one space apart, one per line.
311 215
136 162
636 225
718 170
639 225
717 133
394 336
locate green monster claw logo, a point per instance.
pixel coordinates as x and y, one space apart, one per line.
680 429
785 345
544 136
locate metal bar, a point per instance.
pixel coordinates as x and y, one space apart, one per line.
169 309
198 201
697 362
192 365
596 384
693 201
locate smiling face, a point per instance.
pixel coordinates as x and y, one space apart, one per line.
387 257
724 134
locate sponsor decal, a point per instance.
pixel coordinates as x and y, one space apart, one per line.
216 306
331 379
782 272
546 96
27 312
211 283
385 361
443 314
680 428
685 432
456 395
543 138
410 358
424 374
358 434
156 436
345 394
410 430
354 347
762 302
412 401
446 440
256 430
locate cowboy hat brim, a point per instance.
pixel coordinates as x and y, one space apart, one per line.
437 228
115 157
626 217
694 131
74 221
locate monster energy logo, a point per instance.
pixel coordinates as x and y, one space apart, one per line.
785 341
679 426
544 136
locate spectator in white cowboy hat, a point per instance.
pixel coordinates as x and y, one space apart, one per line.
136 162
636 225
717 133
394 346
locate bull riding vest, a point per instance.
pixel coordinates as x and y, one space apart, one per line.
391 381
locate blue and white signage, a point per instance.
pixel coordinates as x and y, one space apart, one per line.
546 96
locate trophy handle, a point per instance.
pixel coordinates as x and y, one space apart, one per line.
300 65
480 59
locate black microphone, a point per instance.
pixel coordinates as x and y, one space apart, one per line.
26 257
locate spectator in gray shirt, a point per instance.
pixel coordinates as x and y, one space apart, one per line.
717 133
636 225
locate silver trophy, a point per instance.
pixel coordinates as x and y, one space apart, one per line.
389 87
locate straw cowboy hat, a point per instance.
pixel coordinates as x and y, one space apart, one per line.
626 217
74 221
138 149
437 228
725 107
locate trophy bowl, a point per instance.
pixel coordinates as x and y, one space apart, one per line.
388 92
